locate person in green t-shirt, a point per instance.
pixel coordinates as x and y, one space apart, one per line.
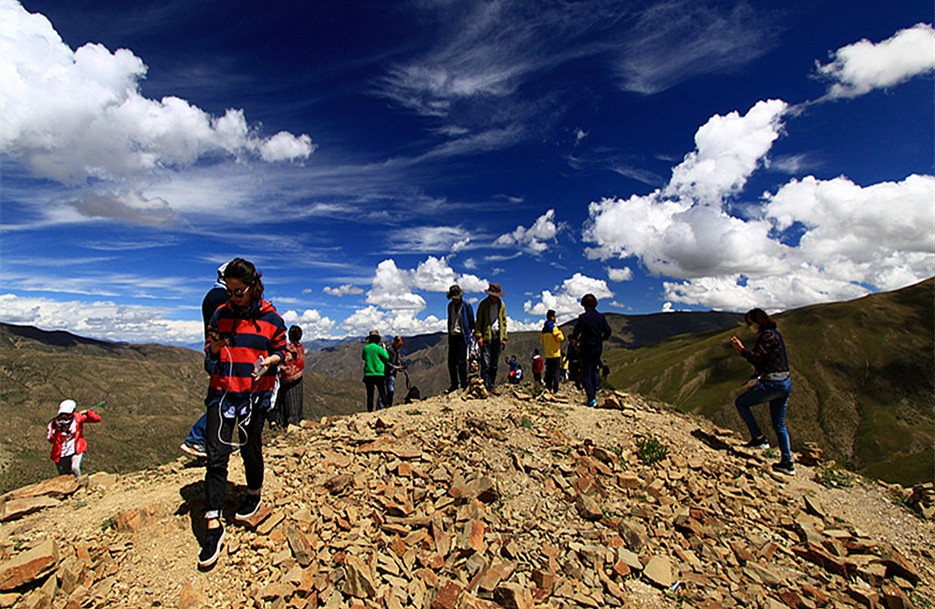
375 361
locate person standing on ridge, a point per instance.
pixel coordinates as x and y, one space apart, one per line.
537 367
551 338
392 366
773 385
246 342
491 333
66 433
376 359
591 330
289 402
460 328
194 444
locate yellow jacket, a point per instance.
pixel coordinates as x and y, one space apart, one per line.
552 342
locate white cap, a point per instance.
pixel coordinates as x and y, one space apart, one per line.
66 407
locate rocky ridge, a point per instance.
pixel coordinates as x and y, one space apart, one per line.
514 501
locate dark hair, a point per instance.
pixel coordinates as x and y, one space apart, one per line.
760 318
295 334
244 271
550 313
535 352
373 338
589 301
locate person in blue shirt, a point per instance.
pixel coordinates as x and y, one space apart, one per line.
591 330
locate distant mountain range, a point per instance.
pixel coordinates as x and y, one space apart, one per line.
153 394
864 383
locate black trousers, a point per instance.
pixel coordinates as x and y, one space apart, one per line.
380 383
457 361
553 370
218 445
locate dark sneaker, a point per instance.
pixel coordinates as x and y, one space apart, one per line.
784 467
451 389
211 548
592 404
760 443
249 507
194 449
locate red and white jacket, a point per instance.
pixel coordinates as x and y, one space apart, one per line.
73 435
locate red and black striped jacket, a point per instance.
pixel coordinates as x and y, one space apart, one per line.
255 332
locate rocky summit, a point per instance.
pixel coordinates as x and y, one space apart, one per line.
518 501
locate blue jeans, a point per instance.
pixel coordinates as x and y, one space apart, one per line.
777 394
197 433
489 359
590 377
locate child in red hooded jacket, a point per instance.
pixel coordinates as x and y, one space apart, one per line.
66 433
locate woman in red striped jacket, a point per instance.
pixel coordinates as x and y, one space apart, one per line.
246 343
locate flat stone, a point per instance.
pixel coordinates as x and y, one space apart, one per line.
61 486
28 566
659 571
446 595
11 509
270 523
588 508
298 542
191 598
261 514
359 580
512 596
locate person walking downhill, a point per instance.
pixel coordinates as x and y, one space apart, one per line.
591 330
290 398
551 338
491 334
246 342
375 361
66 433
773 385
460 329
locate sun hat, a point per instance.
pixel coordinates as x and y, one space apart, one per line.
455 291
494 290
67 407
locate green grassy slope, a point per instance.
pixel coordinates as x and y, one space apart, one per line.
863 386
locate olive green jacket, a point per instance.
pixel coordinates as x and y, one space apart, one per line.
482 321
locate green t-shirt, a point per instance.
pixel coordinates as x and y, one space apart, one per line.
375 357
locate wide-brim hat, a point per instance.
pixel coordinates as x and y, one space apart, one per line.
455 291
67 407
494 290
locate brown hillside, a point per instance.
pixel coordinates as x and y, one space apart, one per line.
153 395
509 502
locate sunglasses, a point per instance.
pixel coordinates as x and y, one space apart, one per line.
238 293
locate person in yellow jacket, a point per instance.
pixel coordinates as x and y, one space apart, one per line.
551 339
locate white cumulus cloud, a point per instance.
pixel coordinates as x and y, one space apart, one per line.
536 238
344 290
618 275
566 301
103 320
861 67
312 322
78 115
810 241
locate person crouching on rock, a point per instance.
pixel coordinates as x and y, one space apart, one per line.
66 433
246 342
773 385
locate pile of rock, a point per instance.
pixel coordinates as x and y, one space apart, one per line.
488 504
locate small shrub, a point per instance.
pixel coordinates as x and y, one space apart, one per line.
414 413
526 422
834 477
651 451
109 523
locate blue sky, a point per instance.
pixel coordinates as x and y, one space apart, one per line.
365 155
